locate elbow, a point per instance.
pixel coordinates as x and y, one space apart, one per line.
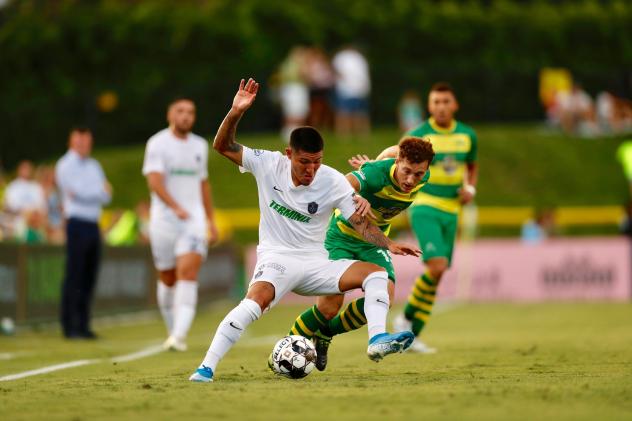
217 145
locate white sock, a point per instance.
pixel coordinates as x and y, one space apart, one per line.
184 302
376 302
229 331
164 295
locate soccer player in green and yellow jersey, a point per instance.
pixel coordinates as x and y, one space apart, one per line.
390 186
434 214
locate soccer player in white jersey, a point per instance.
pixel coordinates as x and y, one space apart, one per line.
181 216
297 195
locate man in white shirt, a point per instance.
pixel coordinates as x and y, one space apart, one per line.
181 216
353 86
84 190
297 195
23 194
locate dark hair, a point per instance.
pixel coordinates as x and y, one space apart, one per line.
415 150
179 98
442 87
80 129
306 139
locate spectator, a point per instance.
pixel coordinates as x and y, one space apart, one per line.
24 194
25 203
84 190
625 227
294 94
409 112
320 79
577 112
538 230
53 226
353 86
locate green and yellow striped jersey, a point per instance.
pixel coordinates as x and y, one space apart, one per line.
378 186
454 148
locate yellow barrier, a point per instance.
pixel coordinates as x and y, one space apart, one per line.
490 216
493 216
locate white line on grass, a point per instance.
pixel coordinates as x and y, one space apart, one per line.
143 353
48 369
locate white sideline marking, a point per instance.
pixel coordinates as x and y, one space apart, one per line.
143 353
47 369
147 352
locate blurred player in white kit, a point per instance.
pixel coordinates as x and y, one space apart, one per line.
181 216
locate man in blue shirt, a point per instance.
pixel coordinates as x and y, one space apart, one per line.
84 190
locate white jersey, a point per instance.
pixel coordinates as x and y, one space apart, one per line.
183 164
295 218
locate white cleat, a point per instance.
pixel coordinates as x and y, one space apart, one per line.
402 324
174 344
419 347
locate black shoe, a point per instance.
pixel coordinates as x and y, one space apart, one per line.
321 342
73 336
88 334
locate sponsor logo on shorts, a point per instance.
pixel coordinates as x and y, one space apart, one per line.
279 268
430 247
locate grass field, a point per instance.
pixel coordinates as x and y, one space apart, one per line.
545 361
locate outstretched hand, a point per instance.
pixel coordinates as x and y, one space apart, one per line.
404 249
358 160
246 95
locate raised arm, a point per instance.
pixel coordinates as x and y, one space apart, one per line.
358 160
390 152
224 142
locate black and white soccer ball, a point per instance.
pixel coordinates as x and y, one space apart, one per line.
293 356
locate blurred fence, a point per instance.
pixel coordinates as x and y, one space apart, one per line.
501 270
31 278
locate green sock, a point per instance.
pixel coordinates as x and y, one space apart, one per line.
351 318
308 323
420 302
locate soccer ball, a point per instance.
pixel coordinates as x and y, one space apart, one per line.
293 356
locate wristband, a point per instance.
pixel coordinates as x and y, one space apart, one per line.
470 189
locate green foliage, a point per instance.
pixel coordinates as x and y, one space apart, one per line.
495 361
57 57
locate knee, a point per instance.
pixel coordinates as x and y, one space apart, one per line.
168 277
263 295
437 269
329 309
187 273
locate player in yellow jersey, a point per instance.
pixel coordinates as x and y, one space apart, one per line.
434 213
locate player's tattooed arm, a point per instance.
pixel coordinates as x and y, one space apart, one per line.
374 235
369 232
224 141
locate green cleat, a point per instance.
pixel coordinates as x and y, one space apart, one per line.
321 342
